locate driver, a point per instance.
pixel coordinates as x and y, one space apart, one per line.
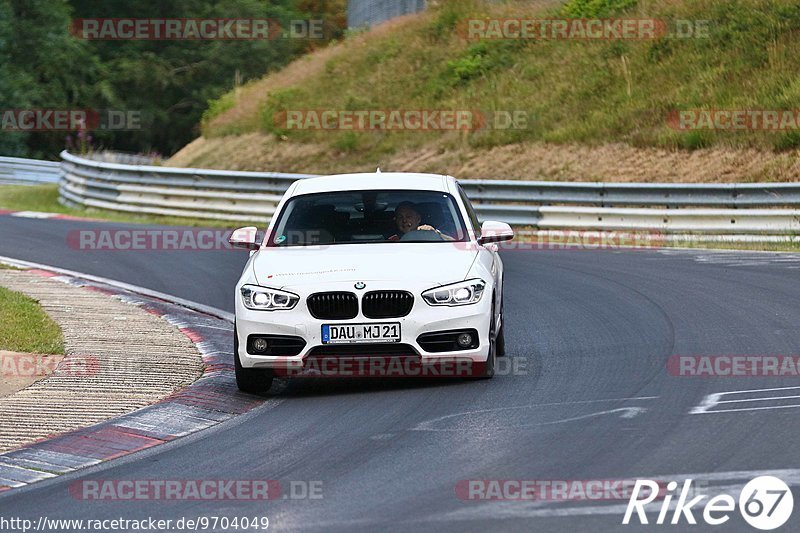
407 218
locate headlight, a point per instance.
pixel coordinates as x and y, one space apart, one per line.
263 299
461 293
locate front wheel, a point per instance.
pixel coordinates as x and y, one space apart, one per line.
250 380
486 370
500 343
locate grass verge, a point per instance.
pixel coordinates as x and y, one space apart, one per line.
25 327
718 54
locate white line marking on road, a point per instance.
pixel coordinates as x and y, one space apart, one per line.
760 390
33 214
713 400
740 258
627 412
202 308
769 407
760 399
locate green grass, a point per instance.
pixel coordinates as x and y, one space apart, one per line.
25 327
44 198
591 92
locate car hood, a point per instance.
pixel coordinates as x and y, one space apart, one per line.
438 263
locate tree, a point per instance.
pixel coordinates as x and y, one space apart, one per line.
168 83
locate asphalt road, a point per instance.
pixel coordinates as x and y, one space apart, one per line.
590 332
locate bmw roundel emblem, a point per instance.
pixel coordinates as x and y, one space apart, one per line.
360 285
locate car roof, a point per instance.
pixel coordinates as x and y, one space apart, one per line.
374 181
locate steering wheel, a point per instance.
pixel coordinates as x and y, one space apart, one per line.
421 235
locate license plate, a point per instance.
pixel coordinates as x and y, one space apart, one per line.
360 333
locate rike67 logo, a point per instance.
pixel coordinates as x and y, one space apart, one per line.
765 503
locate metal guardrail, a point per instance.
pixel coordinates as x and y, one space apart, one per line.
252 196
727 195
18 171
182 192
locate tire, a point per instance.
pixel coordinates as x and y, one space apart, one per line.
487 369
500 342
250 380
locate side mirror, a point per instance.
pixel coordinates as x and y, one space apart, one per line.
244 238
493 231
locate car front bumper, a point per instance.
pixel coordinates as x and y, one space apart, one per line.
422 319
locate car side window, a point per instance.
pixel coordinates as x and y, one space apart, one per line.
473 217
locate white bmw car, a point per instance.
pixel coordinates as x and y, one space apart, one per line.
370 275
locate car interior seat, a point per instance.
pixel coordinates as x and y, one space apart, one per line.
433 214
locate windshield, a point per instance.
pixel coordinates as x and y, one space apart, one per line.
350 217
